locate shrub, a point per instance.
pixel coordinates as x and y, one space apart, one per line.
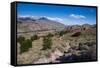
61 33
47 42
34 37
50 35
25 45
20 39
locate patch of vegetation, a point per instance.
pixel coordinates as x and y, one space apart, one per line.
61 33
50 35
34 37
25 45
20 39
47 42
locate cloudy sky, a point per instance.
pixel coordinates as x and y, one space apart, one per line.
68 15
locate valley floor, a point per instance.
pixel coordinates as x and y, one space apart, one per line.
65 48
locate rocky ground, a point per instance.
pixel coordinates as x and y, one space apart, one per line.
74 46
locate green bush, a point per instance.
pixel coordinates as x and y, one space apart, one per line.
20 39
25 45
34 37
50 35
47 43
61 33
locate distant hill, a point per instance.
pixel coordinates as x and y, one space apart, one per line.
74 28
40 23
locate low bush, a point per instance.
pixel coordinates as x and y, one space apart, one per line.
34 37
25 45
47 43
20 39
61 33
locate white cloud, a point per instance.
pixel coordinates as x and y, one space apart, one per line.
50 18
55 19
77 16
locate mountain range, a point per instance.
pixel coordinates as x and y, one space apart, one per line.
25 24
38 23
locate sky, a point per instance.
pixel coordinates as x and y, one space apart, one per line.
68 15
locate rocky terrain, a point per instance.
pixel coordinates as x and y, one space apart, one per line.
74 43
